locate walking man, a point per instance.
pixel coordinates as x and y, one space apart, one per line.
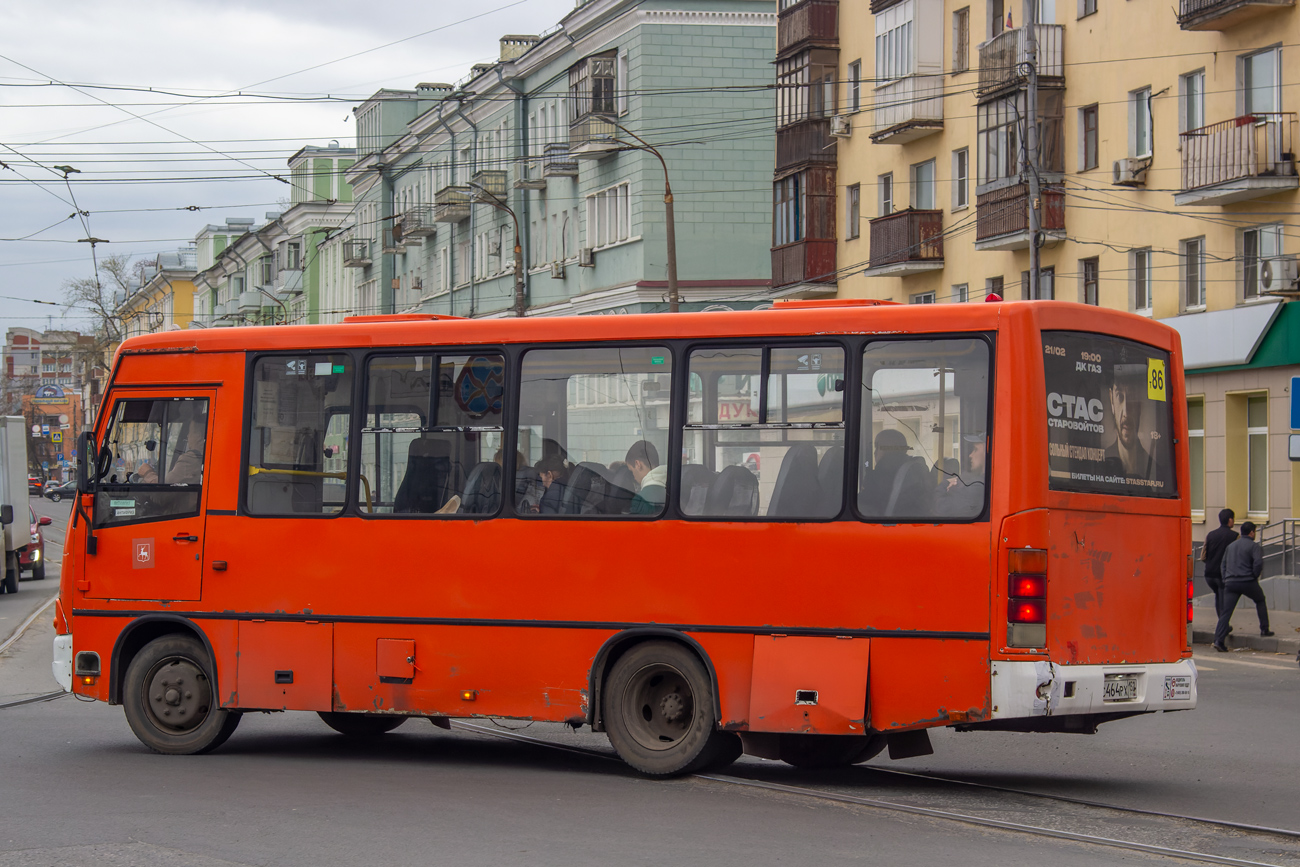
1216 543
1243 563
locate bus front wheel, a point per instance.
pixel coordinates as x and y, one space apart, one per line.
361 724
169 699
659 713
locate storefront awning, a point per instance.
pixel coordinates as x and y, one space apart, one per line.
1223 338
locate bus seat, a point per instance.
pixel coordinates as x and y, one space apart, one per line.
428 483
830 475
909 493
696 479
622 488
528 489
482 490
585 490
733 493
797 493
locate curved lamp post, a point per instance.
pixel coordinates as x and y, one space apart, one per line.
494 201
673 298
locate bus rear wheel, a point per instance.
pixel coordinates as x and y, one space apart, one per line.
659 712
829 751
361 725
169 700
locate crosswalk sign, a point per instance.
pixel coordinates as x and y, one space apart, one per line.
56 436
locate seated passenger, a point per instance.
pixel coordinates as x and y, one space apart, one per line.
963 494
651 478
553 472
898 485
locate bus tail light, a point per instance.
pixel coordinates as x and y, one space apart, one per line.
1026 597
1190 589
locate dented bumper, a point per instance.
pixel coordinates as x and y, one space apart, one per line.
1037 689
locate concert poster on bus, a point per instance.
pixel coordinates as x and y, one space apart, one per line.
1109 420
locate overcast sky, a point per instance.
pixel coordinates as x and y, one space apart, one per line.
199 149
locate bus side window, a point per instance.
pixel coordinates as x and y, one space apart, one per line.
924 430
593 431
155 469
298 437
771 448
433 434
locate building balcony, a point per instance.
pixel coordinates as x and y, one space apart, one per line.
1002 217
288 283
1002 56
907 109
1239 159
451 204
806 261
1222 14
489 186
810 24
356 253
417 222
557 162
907 242
591 137
807 142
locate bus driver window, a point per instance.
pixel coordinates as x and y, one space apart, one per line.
153 455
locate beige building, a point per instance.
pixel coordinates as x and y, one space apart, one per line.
1169 187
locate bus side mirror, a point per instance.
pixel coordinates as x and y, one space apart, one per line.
86 462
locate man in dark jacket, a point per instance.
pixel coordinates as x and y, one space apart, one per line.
1243 563
1216 543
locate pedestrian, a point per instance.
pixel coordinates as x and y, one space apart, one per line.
1216 542
1243 563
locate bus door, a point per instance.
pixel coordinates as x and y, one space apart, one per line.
148 517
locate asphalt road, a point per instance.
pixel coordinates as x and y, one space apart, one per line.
77 788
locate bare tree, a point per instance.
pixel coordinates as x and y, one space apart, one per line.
97 297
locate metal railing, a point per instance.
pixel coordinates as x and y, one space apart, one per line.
810 21
1001 57
1253 145
1005 211
907 236
1202 11
1280 543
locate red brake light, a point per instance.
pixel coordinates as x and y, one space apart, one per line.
1189 612
1032 586
1027 611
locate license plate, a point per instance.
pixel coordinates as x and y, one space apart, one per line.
1119 687
1178 687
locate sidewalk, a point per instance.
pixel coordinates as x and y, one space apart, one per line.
1246 625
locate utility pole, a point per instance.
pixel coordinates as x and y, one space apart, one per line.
1031 146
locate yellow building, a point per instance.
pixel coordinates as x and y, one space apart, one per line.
164 298
1169 187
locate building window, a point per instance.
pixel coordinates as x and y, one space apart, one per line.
960 179
1046 289
961 40
922 178
1191 101
1257 455
1140 122
1088 138
267 271
1261 82
1087 7
1196 453
1257 247
608 217
1141 261
593 85
853 212
895 51
805 86
47 367
993 286
1089 273
921 298
886 187
1193 256
996 17
961 293
787 212
855 86
999 139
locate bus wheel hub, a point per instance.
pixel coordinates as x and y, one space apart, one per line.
672 707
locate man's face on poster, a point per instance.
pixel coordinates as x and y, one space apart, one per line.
1126 408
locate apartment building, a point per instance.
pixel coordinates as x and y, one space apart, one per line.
1166 162
562 146
163 296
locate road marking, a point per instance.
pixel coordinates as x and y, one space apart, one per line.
1242 662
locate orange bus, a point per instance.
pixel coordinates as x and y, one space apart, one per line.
809 533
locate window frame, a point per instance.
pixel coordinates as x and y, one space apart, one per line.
922 189
1140 143
961 40
1193 434
853 212
885 194
853 86
961 179
1140 279
1186 274
1246 87
1090 280
1251 433
1191 100
1089 137
1249 286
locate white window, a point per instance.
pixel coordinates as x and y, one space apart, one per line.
1261 82
1191 101
608 217
999 124
1090 280
961 293
960 179
921 298
1258 246
885 185
1087 7
922 178
1196 454
1141 263
961 40
1193 256
1257 455
853 212
895 53
1046 289
1139 114
854 101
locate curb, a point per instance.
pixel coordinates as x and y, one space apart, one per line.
1238 641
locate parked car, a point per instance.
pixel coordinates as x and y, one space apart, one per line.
61 490
32 557
34 484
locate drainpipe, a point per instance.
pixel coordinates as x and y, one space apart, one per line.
451 246
460 110
523 237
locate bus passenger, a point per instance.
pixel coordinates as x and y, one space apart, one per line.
964 493
552 472
651 477
898 484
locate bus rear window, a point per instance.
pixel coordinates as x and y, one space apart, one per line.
1109 419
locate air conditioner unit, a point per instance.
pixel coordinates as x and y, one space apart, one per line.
1129 172
557 270
841 126
586 258
1278 273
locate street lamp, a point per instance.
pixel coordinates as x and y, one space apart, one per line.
673 299
495 201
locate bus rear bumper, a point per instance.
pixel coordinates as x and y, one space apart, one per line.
1040 689
63 661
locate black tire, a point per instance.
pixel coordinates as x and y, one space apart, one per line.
659 712
56 496
10 582
829 751
169 698
361 725
38 571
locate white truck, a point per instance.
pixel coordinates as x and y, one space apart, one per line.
13 496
